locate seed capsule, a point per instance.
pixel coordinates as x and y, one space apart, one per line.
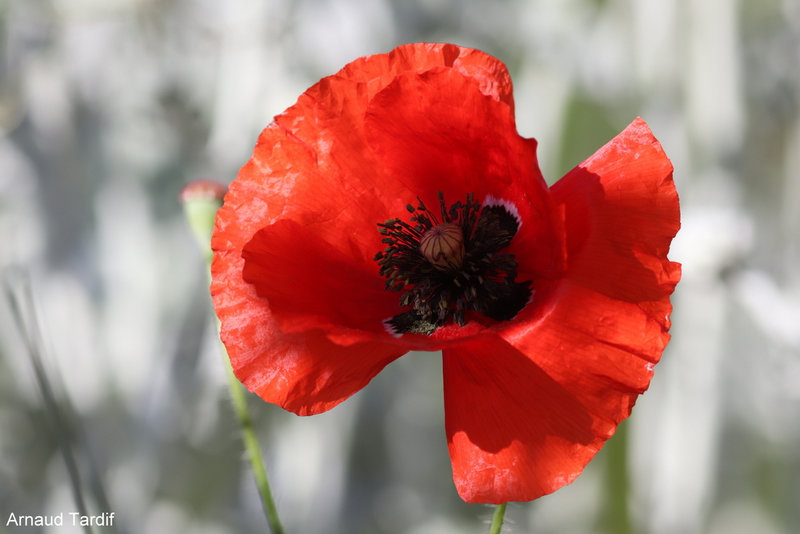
443 246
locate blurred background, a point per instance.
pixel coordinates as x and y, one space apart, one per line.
108 108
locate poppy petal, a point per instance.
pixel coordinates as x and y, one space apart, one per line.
305 373
622 212
312 164
589 343
601 328
514 433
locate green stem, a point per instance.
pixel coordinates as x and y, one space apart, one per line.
615 516
201 200
253 451
497 519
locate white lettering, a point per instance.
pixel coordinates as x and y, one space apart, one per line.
56 520
106 519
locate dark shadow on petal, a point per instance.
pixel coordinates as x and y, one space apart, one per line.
310 283
496 395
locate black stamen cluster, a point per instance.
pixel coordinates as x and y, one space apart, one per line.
484 282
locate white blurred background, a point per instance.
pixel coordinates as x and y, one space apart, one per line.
107 108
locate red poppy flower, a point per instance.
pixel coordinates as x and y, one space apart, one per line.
394 207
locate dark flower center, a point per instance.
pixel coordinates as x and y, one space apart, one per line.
447 267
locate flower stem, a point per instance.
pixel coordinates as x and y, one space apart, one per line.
201 199
497 519
615 516
253 451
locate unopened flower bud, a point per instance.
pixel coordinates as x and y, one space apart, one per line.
443 246
201 199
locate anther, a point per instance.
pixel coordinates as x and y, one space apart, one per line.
450 266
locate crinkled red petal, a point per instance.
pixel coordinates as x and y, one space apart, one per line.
313 164
306 372
590 341
622 212
314 167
